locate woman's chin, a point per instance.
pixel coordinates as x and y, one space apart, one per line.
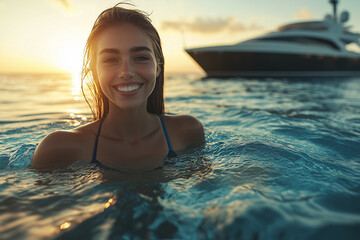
130 105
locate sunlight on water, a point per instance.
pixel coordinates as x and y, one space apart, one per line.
110 202
65 225
281 161
76 86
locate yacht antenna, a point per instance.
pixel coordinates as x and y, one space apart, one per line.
334 2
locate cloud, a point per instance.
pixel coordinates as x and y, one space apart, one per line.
209 25
65 3
303 14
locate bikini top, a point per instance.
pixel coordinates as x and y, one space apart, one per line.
170 154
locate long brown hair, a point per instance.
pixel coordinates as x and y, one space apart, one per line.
97 101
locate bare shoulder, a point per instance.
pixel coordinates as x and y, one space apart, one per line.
62 148
185 131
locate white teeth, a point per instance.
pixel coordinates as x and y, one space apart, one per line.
128 88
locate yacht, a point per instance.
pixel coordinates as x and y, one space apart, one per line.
301 49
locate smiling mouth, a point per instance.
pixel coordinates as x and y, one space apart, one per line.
128 88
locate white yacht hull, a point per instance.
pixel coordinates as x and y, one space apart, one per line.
301 49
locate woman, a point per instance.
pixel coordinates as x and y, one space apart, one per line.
125 65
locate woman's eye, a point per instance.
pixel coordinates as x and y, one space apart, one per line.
111 60
141 59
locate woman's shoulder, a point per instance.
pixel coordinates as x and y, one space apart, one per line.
185 131
62 148
183 121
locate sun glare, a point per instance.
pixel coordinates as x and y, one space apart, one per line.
69 56
69 59
76 85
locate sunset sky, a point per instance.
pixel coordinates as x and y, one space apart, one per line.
49 35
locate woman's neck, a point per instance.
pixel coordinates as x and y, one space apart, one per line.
129 125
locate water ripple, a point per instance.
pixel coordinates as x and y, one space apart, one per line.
281 161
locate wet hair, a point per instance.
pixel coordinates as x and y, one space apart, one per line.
97 101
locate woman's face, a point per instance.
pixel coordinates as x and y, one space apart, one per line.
126 66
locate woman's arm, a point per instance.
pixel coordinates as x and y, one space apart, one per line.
59 148
185 131
192 131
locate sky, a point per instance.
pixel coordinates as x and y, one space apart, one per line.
38 36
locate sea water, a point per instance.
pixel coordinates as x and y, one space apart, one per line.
281 161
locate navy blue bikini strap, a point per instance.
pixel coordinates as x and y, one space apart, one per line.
94 160
170 154
166 136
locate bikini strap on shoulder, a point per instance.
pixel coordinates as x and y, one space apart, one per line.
166 134
97 140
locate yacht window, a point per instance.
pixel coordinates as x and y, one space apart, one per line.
312 26
318 28
304 40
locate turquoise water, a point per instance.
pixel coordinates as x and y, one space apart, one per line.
282 161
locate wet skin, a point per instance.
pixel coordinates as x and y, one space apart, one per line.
131 138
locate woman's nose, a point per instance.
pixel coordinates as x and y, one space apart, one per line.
126 75
126 71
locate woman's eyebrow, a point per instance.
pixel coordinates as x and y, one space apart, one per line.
109 50
139 49
132 50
